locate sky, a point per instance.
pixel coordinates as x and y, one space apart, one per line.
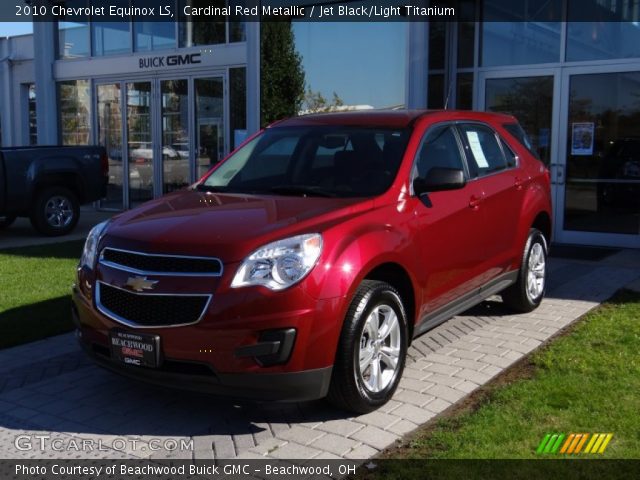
364 63
9 29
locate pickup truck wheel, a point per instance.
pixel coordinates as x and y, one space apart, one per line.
372 349
526 294
55 211
6 221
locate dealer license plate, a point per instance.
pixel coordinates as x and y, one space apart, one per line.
136 349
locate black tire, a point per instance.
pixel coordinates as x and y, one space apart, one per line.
349 389
55 211
6 221
519 296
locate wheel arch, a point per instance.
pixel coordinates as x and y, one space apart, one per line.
397 276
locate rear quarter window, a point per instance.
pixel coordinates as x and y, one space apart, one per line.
518 132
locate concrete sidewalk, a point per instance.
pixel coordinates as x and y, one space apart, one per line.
22 234
49 388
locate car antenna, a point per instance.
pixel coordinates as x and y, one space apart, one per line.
446 103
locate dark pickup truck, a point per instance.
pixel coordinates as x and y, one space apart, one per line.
48 185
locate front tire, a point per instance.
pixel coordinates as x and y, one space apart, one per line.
55 211
526 294
372 349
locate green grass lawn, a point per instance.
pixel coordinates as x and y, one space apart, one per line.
587 381
35 287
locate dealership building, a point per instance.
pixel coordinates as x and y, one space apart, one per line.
169 99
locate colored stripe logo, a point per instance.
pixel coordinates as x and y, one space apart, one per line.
574 443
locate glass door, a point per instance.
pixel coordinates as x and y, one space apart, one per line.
109 125
174 99
600 199
209 123
140 147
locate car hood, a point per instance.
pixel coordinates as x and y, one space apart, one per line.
227 226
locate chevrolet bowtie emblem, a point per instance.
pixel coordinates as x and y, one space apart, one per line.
140 284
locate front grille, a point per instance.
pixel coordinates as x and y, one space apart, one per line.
149 310
158 264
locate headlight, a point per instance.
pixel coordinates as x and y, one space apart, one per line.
90 251
280 264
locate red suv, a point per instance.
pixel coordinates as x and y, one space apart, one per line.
303 265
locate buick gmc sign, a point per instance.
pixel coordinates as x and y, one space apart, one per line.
169 60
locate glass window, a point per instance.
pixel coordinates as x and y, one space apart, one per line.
238 105
73 37
483 151
466 32
464 91
437 42
33 125
304 64
435 91
519 33
153 35
615 34
196 32
74 100
512 159
439 149
111 38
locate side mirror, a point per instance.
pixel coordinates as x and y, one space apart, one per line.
439 179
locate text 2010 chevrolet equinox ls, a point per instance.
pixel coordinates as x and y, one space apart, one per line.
303 265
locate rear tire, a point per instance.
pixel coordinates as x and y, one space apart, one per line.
526 294
372 349
6 221
55 211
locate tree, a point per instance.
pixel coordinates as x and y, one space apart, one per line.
314 102
283 79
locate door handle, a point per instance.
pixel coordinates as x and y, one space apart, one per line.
475 201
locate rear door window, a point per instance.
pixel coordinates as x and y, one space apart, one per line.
484 154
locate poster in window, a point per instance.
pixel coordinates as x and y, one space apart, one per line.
582 138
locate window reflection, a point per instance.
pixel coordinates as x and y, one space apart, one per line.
515 33
196 32
530 100
109 119
74 112
111 38
616 34
379 51
603 153
153 35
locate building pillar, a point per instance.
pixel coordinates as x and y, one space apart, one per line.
44 43
253 77
418 65
7 124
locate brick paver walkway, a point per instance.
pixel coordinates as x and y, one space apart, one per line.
50 390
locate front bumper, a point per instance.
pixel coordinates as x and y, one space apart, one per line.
224 353
289 386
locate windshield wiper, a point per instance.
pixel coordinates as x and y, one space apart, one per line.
304 190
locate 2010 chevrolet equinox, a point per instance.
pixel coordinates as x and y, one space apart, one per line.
303 265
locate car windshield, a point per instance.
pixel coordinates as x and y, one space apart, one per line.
331 161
